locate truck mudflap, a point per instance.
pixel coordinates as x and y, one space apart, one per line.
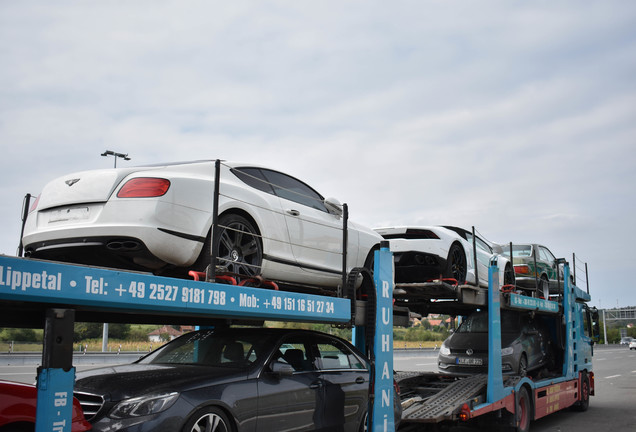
434 398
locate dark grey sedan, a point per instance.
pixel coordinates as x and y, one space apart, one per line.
233 379
525 345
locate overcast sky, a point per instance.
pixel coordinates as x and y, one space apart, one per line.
516 117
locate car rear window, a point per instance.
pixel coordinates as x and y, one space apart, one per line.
254 178
519 250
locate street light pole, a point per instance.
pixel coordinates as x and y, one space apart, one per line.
105 327
116 155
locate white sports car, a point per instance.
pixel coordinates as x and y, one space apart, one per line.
159 218
426 253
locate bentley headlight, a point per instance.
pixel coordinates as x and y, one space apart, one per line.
143 406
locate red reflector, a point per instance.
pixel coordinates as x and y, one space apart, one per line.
144 187
522 269
464 414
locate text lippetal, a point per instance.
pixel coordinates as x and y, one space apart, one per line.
23 280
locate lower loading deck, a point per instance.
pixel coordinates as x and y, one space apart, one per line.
437 398
433 398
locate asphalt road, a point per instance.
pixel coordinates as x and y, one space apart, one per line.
613 408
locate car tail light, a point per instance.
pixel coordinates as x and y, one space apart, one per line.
421 234
522 269
144 187
35 204
413 234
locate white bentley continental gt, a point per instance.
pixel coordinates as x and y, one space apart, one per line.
158 218
426 253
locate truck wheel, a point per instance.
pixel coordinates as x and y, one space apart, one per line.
523 413
584 403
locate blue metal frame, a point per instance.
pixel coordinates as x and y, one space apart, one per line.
54 409
532 303
54 283
495 389
568 312
357 338
382 418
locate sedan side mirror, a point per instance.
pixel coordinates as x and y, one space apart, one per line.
282 369
333 206
596 328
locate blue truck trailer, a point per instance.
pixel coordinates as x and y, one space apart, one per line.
434 400
33 292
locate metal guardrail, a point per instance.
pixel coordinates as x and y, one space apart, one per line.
35 359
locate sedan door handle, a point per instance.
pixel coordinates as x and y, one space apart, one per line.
316 384
293 212
360 380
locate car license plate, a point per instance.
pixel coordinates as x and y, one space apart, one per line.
69 214
470 361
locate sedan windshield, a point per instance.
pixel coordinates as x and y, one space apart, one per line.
209 348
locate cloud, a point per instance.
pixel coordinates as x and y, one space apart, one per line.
516 118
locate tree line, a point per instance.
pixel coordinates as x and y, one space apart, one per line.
82 331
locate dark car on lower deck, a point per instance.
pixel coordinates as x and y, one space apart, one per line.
525 345
233 379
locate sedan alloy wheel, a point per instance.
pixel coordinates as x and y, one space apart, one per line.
238 245
208 420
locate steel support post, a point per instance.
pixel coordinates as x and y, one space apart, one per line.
382 418
56 376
